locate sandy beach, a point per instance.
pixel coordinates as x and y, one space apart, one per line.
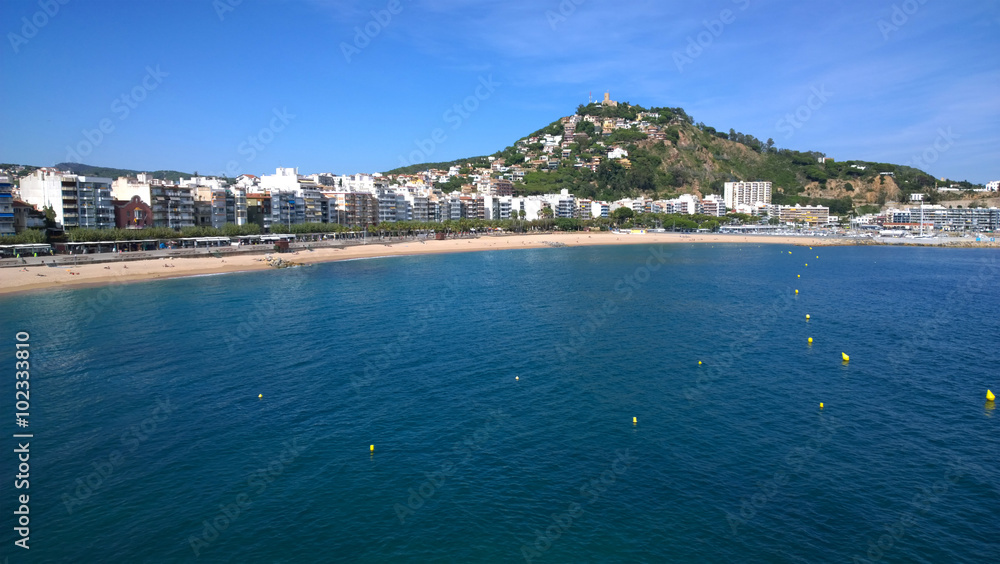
33 278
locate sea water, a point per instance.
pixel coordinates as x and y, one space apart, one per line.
499 390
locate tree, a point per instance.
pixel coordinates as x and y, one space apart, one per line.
50 217
545 213
622 214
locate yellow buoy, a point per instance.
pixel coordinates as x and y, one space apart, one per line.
807 317
845 357
796 291
990 396
259 396
699 362
634 420
810 340
517 377
789 252
800 276
817 256
807 264
372 448
821 405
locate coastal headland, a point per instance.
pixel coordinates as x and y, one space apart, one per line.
36 277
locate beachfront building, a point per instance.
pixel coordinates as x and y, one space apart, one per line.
497 207
301 196
27 216
133 214
287 209
813 215
714 204
6 207
236 205
387 207
259 210
687 204
172 205
563 205
417 206
951 219
369 183
210 206
531 206
351 208
78 201
747 193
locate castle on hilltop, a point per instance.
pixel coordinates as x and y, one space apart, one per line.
608 101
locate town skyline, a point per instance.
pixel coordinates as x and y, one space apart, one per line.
877 83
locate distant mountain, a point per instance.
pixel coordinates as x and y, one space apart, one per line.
112 173
670 154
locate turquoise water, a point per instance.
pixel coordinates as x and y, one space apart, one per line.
151 443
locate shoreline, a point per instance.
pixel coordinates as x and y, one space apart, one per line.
34 278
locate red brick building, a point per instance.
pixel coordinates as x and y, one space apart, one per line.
133 214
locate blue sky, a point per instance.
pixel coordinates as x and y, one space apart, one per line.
246 86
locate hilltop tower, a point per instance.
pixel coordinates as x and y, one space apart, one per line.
608 101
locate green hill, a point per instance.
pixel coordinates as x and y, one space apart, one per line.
112 173
696 158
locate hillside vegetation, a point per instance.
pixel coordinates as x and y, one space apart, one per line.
698 159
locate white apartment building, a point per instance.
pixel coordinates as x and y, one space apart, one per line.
686 204
993 186
714 204
747 193
600 209
78 201
284 179
497 207
530 205
236 205
563 204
